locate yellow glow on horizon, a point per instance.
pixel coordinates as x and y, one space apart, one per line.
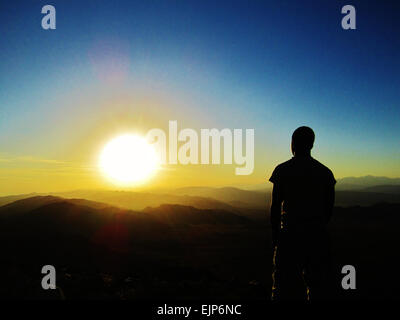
128 160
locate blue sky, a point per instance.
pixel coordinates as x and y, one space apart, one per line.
268 65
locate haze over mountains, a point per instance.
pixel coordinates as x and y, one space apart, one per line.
195 242
174 251
91 242
357 183
363 191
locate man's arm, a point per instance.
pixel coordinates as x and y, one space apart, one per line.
276 204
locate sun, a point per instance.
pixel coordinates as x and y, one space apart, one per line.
128 159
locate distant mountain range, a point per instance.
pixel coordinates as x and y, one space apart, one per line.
89 238
357 183
347 183
394 189
363 191
233 196
101 251
58 219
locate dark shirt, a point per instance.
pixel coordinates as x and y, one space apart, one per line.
304 185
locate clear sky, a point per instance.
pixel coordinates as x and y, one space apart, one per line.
113 67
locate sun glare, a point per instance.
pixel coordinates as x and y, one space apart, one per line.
128 159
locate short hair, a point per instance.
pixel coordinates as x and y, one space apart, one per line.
303 139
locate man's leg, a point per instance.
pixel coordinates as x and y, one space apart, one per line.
318 273
287 281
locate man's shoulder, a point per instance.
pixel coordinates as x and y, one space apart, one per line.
280 170
284 165
324 171
321 166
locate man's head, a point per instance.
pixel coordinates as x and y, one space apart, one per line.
302 141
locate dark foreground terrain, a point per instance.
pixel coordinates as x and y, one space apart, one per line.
176 251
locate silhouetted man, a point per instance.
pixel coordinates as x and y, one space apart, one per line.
302 201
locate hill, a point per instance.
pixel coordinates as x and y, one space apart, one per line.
175 251
8 199
233 196
357 183
364 198
177 215
141 200
28 204
392 189
87 241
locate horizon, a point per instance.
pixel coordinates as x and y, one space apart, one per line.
266 186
